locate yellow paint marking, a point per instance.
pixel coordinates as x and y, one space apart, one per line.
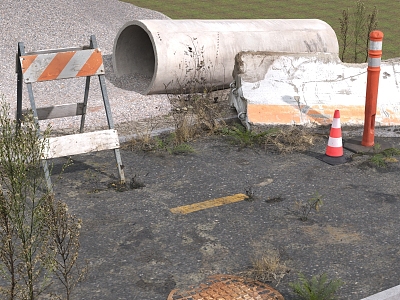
186 209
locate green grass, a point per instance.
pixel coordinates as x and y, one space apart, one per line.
326 10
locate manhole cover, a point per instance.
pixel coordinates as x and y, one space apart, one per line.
227 287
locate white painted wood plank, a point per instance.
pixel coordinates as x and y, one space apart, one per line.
46 51
59 111
81 143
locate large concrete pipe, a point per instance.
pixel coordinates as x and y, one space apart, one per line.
171 52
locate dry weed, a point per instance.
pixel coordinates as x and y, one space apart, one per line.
196 114
195 99
267 267
290 139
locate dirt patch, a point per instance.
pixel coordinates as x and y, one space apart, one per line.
332 235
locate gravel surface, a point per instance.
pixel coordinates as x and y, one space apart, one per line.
52 24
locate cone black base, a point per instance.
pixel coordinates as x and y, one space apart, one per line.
334 160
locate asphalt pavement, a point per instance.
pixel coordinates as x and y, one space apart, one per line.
138 248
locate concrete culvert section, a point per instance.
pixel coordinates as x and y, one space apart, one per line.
134 52
171 52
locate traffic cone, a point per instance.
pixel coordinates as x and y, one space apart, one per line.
334 149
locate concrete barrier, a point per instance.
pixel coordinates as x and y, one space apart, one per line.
278 88
389 294
172 52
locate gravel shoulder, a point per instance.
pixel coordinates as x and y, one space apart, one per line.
52 24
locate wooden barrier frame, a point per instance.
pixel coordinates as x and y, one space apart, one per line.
66 63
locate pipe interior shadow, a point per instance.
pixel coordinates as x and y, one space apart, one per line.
131 82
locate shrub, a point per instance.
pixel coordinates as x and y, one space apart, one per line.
354 33
316 288
39 238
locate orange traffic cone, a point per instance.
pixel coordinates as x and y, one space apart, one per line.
335 144
334 149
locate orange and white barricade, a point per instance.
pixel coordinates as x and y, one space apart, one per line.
66 63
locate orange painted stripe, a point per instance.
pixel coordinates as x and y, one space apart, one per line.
56 66
320 114
273 114
26 61
92 64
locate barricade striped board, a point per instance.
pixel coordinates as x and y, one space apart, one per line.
61 65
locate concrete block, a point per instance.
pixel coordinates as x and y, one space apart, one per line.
306 88
390 294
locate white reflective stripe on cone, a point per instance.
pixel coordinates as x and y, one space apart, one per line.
336 123
335 142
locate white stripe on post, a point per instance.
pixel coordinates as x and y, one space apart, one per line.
375 45
374 62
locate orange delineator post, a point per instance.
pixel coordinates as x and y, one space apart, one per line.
374 69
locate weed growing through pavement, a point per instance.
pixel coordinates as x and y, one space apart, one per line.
382 158
377 147
267 267
163 143
180 149
304 208
379 158
286 139
168 143
242 137
316 288
250 192
136 183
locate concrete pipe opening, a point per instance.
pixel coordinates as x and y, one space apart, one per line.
134 52
172 52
